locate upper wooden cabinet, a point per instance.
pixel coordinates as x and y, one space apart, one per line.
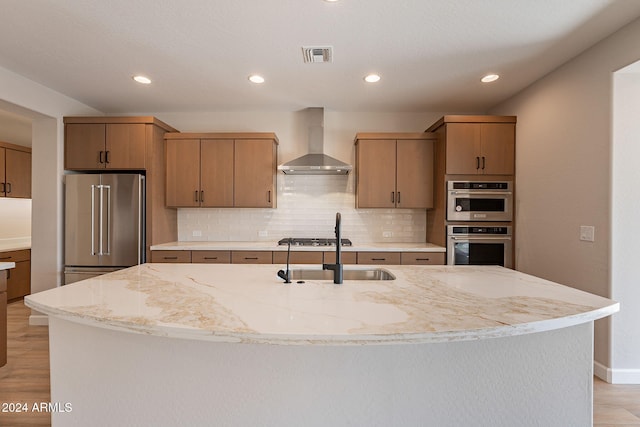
118 143
221 169
394 170
475 145
15 171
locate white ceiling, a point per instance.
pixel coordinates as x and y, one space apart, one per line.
430 53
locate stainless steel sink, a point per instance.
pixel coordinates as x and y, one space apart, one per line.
349 274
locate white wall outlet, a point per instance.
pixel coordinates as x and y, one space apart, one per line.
587 233
263 233
196 233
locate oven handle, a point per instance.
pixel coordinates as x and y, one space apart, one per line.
480 238
482 193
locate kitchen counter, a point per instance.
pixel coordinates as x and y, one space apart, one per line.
273 246
482 346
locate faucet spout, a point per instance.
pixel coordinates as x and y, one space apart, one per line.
337 267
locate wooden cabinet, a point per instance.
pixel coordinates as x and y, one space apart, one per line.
211 257
221 170
394 170
299 257
15 171
18 278
422 258
483 145
120 144
171 256
251 257
95 146
347 257
381 258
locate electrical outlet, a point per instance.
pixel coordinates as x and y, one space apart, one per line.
196 233
387 234
263 233
587 233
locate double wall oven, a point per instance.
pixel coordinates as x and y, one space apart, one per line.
479 218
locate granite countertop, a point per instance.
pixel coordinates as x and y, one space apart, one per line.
250 304
15 244
7 265
273 246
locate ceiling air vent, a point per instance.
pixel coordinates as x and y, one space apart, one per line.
317 53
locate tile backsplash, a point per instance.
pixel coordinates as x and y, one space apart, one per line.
307 206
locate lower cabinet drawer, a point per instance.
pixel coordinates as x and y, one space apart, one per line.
251 257
171 256
15 256
422 258
298 257
211 257
347 257
379 258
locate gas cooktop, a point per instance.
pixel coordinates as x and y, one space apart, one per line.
312 241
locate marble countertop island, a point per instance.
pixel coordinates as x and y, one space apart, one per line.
225 344
250 303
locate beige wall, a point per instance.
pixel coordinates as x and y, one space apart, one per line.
564 139
16 218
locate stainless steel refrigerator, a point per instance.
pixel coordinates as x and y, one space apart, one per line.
104 224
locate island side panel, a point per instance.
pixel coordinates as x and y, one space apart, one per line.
118 378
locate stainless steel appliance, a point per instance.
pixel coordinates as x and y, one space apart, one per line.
479 245
479 201
313 241
104 224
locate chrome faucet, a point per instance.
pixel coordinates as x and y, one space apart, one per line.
337 267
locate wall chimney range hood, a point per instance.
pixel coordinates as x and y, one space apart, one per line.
315 162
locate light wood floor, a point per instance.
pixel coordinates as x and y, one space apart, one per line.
25 378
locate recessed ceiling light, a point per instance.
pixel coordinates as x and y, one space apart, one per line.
372 78
490 78
142 79
254 78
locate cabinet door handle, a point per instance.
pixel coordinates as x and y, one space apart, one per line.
101 159
201 196
4 188
269 196
477 162
106 156
196 192
483 162
398 197
393 197
8 187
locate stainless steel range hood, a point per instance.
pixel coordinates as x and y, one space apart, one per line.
316 162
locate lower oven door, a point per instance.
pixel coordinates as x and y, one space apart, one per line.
485 250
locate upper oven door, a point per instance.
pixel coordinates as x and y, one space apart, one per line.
479 205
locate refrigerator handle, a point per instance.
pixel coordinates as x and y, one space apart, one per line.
93 220
108 187
100 220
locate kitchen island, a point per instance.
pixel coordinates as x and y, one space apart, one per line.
185 344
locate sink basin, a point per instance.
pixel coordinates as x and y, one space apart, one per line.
349 274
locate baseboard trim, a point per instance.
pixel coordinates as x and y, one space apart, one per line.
616 376
39 320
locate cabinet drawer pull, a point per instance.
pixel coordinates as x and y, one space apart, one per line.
378 259
6 257
251 258
170 257
422 259
211 257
